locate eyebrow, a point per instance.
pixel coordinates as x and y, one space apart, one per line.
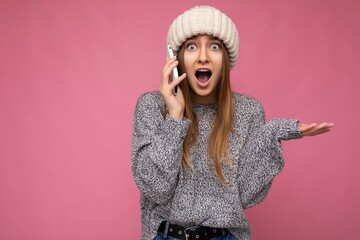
212 38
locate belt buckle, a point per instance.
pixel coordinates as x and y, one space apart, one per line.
187 236
186 229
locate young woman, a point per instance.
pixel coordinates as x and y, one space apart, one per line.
202 155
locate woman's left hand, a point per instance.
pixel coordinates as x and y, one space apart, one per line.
314 128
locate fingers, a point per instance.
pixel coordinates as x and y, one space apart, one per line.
177 81
169 66
314 128
167 87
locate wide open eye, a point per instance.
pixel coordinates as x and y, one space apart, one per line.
191 46
215 46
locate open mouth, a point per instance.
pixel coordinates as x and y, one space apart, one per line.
203 75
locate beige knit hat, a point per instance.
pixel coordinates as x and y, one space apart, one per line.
204 20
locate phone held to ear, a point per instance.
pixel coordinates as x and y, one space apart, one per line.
175 73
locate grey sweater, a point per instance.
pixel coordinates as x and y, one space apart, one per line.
196 197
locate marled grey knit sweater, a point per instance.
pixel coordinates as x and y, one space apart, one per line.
196 197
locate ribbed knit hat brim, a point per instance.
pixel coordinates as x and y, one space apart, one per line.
204 20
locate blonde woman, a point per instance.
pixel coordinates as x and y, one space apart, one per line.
202 155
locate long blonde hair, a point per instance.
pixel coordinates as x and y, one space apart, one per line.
218 149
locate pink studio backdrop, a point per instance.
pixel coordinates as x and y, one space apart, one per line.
70 75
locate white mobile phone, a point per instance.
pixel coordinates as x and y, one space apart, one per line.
175 73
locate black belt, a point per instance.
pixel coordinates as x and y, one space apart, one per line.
190 233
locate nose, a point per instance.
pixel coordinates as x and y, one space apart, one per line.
203 55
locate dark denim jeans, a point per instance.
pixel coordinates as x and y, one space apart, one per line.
229 236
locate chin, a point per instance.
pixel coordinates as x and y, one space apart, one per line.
203 96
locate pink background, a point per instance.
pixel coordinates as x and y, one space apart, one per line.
71 72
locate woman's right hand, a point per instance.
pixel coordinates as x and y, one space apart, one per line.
175 103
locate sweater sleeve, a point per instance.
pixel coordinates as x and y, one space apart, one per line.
261 156
156 149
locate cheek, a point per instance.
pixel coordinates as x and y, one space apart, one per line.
218 65
219 60
187 62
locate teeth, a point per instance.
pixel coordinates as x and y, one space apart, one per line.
203 70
